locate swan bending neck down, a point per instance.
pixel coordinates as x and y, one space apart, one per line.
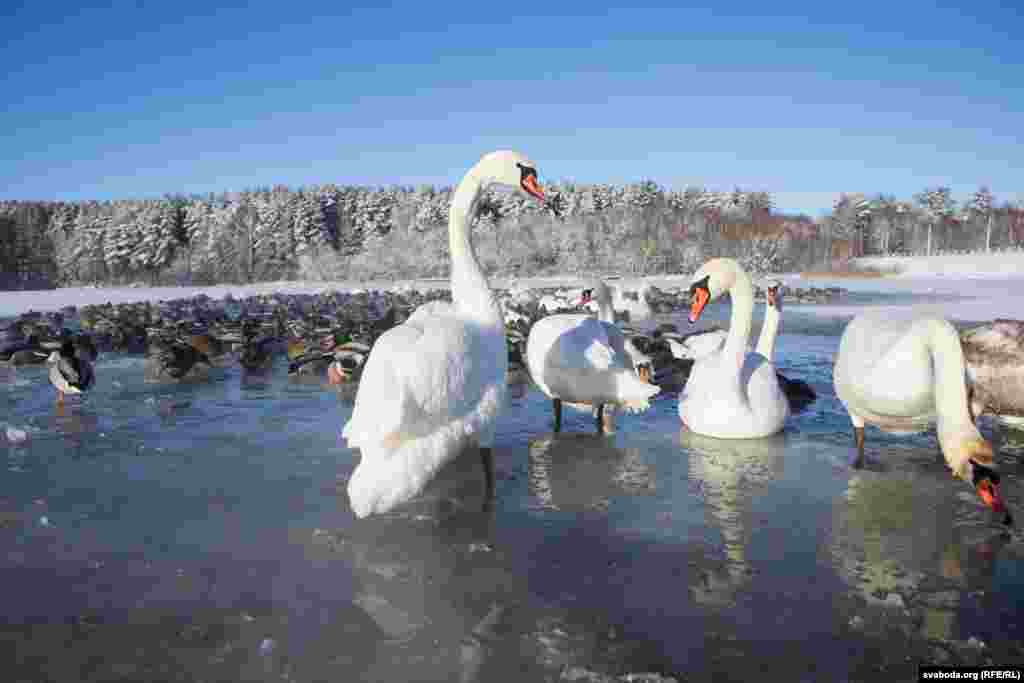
731 393
583 361
902 374
436 384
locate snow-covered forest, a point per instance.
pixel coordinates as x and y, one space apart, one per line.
332 232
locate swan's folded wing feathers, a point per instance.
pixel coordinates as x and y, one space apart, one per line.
586 347
381 406
419 376
617 342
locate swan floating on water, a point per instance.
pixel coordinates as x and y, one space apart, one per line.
582 360
901 375
436 383
731 393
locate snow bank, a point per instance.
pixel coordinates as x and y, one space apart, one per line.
976 265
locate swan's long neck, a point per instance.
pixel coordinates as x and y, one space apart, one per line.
953 424
605 310
742 293
769 330
471 293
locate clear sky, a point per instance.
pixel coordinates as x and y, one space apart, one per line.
803 100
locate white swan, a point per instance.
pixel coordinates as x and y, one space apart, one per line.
582 360
436 383
700 344
901 374
630 300
732 393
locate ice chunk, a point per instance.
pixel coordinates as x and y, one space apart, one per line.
15 435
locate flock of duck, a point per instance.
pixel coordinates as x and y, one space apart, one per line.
431 374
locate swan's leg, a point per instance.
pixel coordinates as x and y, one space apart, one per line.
487 458
60 396
858 439
557 406
609 420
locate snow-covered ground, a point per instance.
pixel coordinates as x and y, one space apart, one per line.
974 266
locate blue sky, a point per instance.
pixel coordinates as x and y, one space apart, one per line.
800 99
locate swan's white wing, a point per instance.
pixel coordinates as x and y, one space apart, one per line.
419 375
587 346
430 309
699 345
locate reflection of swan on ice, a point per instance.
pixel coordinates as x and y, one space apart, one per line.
455 605
881 548
585 471
732 472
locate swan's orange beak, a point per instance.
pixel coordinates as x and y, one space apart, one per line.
698 300
989 493
986 482
530 187
771 296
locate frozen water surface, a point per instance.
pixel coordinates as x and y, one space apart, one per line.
202 532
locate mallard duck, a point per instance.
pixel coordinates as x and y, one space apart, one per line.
257 353
206 344
348 362
171 359
304 360
27 352
69 373
85 348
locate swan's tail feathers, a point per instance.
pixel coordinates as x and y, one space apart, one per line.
396 469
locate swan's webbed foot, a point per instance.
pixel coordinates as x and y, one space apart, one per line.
487 459
556 405
858 438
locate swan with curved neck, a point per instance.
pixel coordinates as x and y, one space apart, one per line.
435 384
903 374
772 316
582 361
731 393
700 344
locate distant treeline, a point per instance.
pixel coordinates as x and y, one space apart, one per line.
332 232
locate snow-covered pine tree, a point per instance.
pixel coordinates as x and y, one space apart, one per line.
980 204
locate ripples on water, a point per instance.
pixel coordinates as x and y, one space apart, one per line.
202 531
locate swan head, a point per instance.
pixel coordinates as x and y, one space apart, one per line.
774 295
596 291
977 459
711 281
512 170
